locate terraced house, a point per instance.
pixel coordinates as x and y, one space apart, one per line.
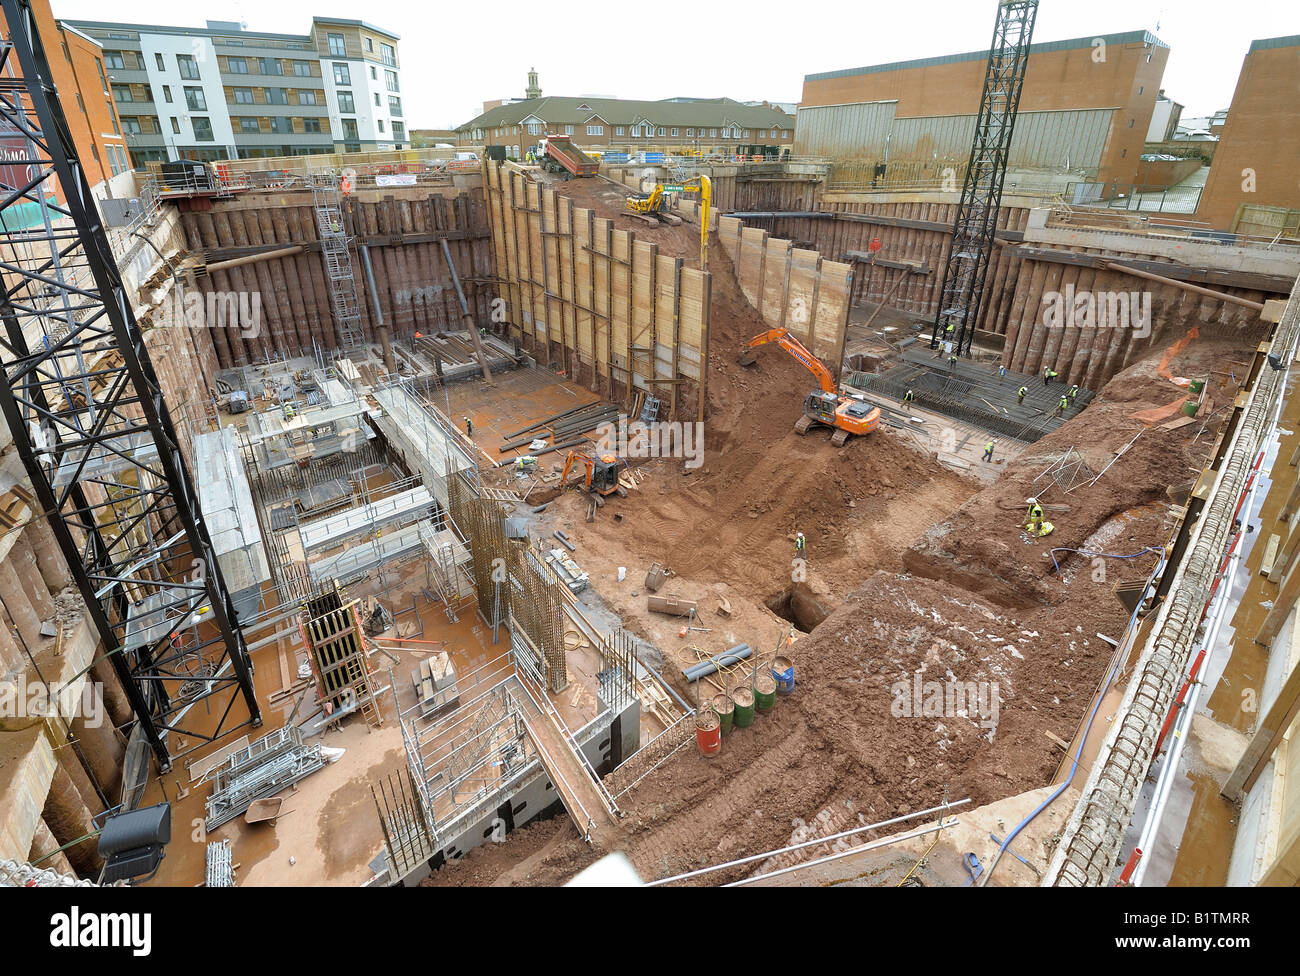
704 124
222 92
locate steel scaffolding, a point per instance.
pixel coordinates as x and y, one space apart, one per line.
981 196
95 435
336 250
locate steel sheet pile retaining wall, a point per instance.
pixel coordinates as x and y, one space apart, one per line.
403 234
1019 288
1090 844
791 287
613 311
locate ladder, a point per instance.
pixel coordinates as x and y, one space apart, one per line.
336 251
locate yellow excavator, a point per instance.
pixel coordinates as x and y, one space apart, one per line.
847 416
652 207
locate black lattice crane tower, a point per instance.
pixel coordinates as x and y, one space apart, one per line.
981 196
89 421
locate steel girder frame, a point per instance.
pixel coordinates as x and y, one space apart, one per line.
981 196
89 421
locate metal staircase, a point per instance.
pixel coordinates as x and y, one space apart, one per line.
336 251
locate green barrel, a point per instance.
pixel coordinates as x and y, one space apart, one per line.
764 692
1190 406
744 699
726 711
1196 386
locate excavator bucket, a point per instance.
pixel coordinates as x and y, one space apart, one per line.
747 356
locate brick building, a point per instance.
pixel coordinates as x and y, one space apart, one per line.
1256 161
1086 107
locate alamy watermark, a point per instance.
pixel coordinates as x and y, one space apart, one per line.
1071 309
915 697
20 698
239 311
654 439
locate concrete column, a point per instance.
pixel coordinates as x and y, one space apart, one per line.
42 843
11 655
19 606
71 762
69 818
104 753
29 574
49 557
115 700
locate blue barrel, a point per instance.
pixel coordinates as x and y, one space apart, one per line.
783 674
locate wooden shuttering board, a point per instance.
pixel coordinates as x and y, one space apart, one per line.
591 295
792 288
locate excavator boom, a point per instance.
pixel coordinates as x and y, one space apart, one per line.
796 349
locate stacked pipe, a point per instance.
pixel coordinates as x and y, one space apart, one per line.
565 429
726 659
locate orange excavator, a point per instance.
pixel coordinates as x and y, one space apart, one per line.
601 473
848 416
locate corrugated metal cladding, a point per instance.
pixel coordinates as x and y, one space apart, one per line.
1073 139
858 129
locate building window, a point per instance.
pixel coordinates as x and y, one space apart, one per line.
713 133
114 60
80 104
660 131
131 125
307 96
103 82
745 134
349 129
311 125
690 133
374 73
158 60
202 128
342 76
673 130
67 55
243 96
167 93
346 105
1130 123
282 125
595 130
399 131
390 81
112 115
302 69
270 66
176 126
568 130
277 96
534 129
370 44
123 93
394 106
249 125
194 99
189 68
1123 153
1141 89
378 104
390 55
380 124
337 46
237 66
618 130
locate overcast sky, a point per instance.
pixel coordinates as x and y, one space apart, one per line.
455 55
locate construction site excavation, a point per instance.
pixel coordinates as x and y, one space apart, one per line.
894 489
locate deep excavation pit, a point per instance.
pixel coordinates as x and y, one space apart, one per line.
797 604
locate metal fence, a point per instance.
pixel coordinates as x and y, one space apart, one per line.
1132 196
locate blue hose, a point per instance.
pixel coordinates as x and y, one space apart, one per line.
1083 739
1089 552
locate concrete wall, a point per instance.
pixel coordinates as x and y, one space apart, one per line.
607 741
1255 161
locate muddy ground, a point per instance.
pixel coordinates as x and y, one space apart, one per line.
928 579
